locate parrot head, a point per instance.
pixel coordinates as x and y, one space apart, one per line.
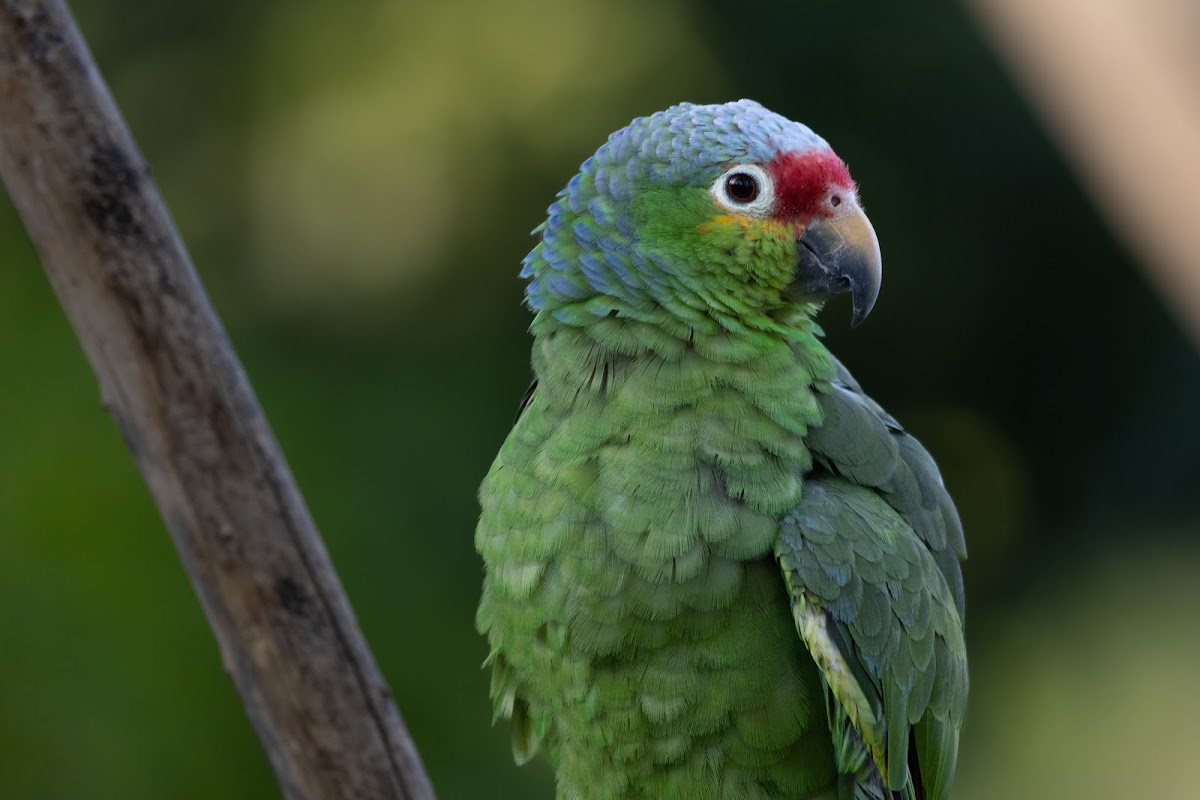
726 212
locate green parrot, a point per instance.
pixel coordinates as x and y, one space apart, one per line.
715 568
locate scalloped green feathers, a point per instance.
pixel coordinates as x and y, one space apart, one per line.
871 560
715 569
639 630
880 620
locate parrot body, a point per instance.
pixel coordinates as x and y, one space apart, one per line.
715 568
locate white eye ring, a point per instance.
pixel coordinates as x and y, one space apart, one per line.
755 204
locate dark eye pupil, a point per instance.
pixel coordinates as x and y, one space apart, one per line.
741 187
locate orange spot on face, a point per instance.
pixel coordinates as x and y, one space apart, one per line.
724 221
769 227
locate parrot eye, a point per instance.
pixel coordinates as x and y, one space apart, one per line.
746 189
741 187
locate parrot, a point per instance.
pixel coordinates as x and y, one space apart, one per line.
714 568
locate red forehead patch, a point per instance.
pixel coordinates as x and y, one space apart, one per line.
802 178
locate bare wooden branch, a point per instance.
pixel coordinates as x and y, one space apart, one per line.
1116 81
169 377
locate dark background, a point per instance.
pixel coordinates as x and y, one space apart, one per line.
356 182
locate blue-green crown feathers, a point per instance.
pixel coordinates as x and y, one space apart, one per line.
587 243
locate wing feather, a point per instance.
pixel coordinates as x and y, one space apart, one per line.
871 557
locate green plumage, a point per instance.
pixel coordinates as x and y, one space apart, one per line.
715 569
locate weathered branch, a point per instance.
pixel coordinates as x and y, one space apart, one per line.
1116 81
169 377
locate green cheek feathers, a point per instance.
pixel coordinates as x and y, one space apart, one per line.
737 264
753 252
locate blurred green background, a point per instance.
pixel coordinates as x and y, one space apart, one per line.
356 182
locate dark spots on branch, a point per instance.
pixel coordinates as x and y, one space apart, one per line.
222 424
293 598
111 192
44 46
38 36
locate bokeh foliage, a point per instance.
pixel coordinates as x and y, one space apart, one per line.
356 182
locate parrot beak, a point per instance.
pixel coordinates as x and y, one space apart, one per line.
836 255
